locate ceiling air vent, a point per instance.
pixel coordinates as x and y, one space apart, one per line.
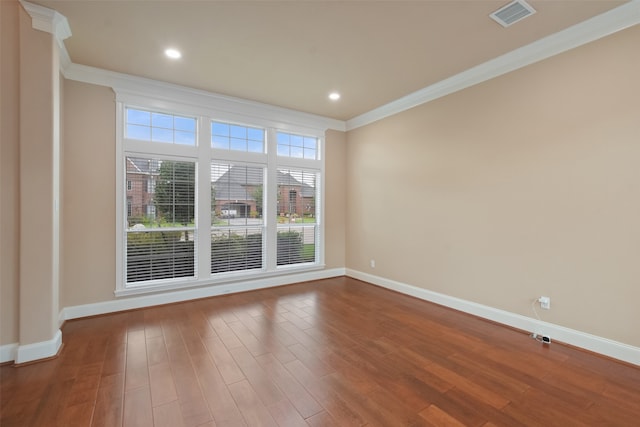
512 13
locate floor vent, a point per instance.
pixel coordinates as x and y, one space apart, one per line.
513 12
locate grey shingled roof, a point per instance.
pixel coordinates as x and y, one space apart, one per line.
232 185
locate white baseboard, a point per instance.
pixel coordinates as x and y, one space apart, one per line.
39 350
45 349
148 300
604 346
8 352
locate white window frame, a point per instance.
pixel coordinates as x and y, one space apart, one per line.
185 104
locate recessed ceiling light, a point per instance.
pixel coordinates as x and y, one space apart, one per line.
334 96
173 53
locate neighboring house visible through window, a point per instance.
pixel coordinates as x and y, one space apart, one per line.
184 172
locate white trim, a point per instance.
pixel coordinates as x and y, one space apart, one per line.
50 21
615 20
78 311
8 352
47 20
126 86
39 350
204 154
607 347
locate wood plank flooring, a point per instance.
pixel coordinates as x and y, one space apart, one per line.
336 352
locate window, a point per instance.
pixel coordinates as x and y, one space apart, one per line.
236 222
296 240
160 232
210 200
226 136
303 147
160 127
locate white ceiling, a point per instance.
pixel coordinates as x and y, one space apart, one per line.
294 53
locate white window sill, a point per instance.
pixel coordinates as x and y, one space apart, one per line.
222 279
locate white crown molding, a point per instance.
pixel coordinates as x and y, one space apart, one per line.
45 19
125 84
50 21
620 18
40 350
604 346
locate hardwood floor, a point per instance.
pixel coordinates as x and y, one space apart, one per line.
335 352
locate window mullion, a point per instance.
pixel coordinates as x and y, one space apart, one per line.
271 200
203 199
121 202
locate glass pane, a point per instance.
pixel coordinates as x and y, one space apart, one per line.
186 138
296 141
185 123
236 195
161 135
255 134
297 152
138 117
160 127
255 147
283 138
220 129
309 153
236 249
162 120
240 138
296 197
238 144
164 188
283 150
139 132
297 146
310 143
181 191
156 255
239 132
221 142
296 245
141 180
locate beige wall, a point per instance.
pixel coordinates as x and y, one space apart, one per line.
88 265
39 192
522 186
9 184
88 182
335 198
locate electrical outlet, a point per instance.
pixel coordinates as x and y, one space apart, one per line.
544 339
372 263
545 303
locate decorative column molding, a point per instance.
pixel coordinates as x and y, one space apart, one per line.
45 19
52 22
40 43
